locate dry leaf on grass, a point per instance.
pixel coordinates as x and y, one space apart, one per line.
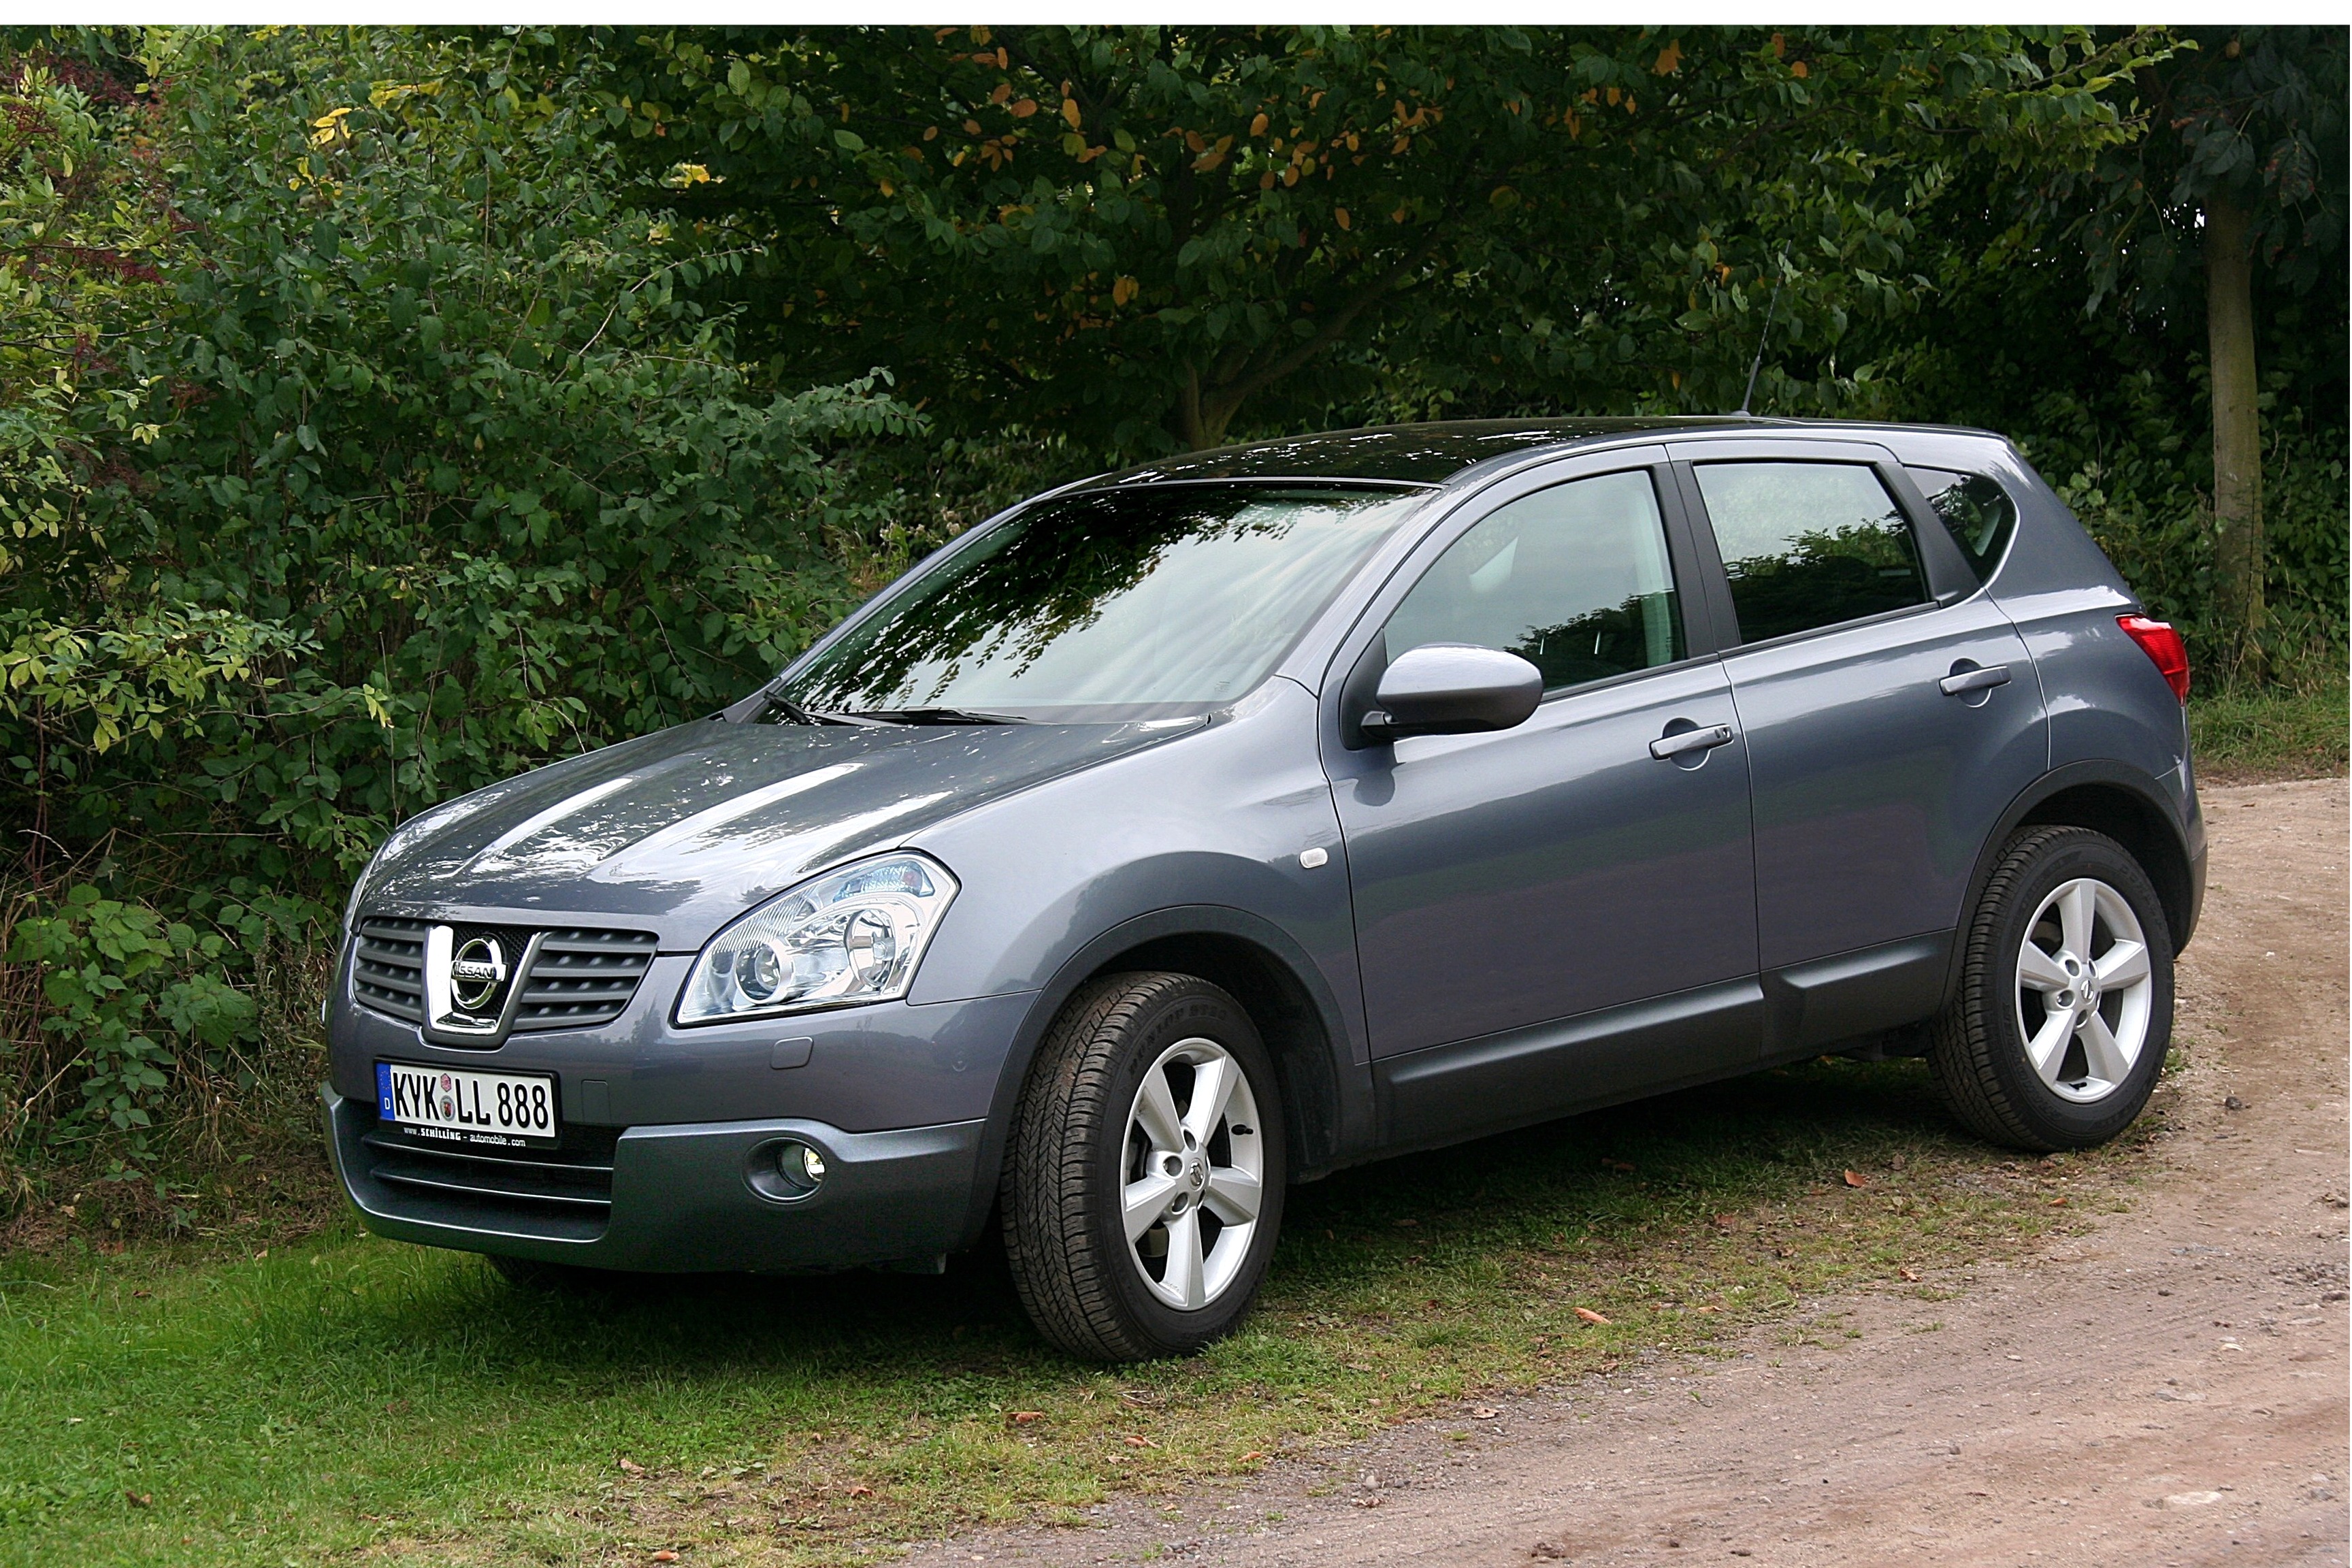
632 1466
1590 1316
1910 1274
1132 1441
1856 1179
1024 1416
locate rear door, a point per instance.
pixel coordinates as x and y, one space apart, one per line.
1891 714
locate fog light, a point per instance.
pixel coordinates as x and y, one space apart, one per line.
800 1168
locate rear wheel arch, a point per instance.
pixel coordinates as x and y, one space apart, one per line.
2121 803
2133 818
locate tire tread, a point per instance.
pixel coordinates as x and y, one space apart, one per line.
1060 1276
1963 1051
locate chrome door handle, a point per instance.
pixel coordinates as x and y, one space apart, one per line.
1667 747
1968 681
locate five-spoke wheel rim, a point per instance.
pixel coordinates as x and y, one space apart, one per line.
2084 990
1194 1161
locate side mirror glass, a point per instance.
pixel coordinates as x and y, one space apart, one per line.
1453 688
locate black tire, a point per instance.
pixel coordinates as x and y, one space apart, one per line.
1978 1050
1068 1158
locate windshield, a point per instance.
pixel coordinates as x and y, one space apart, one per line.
1148 602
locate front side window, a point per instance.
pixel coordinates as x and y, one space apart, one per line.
1109 604
1810 545
1977 511
1574 579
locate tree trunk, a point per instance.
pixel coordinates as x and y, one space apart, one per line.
2237 436
1203 415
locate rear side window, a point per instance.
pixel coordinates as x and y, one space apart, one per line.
1810 545
1574 579
1979 512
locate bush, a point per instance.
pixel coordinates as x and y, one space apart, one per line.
370 451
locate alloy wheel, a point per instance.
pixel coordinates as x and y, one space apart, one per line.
2084 990
1195 1164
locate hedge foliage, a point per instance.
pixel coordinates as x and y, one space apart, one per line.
361 445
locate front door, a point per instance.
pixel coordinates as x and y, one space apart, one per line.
1554 915
1891 715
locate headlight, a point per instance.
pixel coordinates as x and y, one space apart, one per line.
852 935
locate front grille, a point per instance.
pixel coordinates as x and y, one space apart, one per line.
565 1192
388 968
580 978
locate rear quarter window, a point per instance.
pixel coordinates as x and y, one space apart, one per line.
1975 511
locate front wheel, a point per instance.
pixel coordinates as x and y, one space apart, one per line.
1144 1181
2064 1011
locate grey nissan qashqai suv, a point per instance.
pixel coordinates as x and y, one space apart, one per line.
1189 832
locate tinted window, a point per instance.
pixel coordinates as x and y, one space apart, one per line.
1810 545
1574 579
1979 512
1110 603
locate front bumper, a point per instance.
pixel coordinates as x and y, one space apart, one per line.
673 1198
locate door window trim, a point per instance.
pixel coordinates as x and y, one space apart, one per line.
1949 580
1702 638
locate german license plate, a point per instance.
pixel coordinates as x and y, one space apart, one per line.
508 1109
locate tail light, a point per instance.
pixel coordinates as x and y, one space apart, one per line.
2164 649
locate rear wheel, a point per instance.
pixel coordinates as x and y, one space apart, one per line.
2064 1011
1143 1186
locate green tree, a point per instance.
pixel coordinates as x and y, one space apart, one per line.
2240 188
1141 232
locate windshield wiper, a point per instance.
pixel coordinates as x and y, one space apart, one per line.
794 713
938 716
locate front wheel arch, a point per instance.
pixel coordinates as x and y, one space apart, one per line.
1325 1091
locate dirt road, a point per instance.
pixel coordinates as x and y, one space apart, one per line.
2167 1389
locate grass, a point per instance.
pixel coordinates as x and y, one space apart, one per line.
2247 738
341 1397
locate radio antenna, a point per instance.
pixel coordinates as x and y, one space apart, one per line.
1757 363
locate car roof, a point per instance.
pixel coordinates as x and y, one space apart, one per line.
1433 453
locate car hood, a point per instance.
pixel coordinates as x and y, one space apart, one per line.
681 831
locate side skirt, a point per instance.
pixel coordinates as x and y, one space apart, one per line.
1825 1000
1465 1089
1471 1089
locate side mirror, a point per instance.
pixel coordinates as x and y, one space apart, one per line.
1453 688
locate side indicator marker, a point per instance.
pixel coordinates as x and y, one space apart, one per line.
1310 858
